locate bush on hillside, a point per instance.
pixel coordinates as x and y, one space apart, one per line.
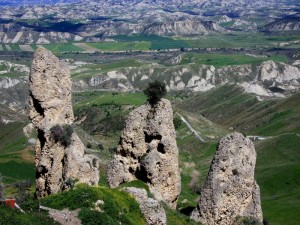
177 122
62 134
155 91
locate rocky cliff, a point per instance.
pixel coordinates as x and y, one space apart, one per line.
230 189
59 153
147 151
267 79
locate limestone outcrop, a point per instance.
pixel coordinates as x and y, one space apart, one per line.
57 163
153 212
148 151
230 189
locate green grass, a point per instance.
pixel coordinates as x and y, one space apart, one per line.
62 47
105 113
169 44
119 64
15 47
10 216
121 46
13 171
176 218
102 98
3 67
230 107
277 173
118 207
12 138
219 60
239 39
233 39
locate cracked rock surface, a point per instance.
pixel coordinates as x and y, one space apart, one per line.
148 151
230 189
49 105
153 212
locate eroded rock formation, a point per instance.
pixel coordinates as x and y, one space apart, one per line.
154 213
147 151
230 189
57 164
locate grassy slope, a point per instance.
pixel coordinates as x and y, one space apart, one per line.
15 163
230 107
219 60
277 173
278 181
153 42
278 165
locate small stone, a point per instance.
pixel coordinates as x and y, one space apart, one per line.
153 212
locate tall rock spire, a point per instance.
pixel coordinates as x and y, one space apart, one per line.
230 190
59 153
148 151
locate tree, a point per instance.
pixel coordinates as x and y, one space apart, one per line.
155 91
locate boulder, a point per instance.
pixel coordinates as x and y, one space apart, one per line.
230 190
58 164
148 151
153 212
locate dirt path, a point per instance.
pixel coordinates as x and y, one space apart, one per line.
191 128
65 216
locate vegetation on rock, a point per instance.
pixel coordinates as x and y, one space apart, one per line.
62 134
155 91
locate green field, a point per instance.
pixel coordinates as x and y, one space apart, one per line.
154 42
278 165
230 107
13 171
12 138
63 47
277 173
121 46
219 60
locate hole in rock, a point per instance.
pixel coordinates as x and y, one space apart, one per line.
161 148
149 138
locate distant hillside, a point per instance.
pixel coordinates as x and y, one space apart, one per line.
33 2
289 23
230 107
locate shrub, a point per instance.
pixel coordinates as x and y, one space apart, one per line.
62 134
100 146
89 145
155 91
177 122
